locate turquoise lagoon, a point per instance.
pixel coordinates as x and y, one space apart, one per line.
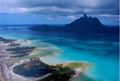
103 55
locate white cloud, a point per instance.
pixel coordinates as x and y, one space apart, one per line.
59 7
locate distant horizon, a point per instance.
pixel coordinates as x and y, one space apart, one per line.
117 24
59 40
57 12
44 24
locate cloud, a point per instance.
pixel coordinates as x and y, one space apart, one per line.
71 9
60 6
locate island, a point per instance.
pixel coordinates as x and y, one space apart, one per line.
85 27
21 62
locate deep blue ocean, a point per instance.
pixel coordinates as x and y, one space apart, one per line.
103 55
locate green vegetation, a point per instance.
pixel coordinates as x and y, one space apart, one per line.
81 65
63 74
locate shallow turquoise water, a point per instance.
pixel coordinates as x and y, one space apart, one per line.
103 55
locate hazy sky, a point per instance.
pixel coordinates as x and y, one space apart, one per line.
56 11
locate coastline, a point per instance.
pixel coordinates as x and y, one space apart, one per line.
6 68
15 77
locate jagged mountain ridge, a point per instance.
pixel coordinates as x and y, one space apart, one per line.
85 23
84 27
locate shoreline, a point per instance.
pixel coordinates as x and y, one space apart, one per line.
16 77
6 71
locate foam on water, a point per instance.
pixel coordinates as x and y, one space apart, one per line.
103 55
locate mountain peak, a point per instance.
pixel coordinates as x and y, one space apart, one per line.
85 16
86 22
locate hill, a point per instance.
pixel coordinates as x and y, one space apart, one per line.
84 27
